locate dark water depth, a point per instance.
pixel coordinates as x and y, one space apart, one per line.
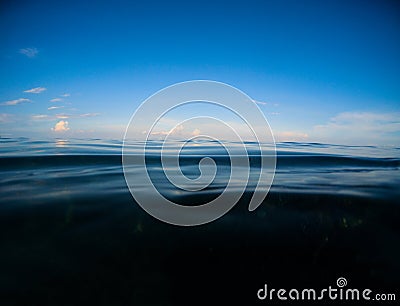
72 234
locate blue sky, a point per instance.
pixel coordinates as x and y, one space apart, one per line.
324 71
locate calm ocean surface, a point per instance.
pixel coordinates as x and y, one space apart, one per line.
71 232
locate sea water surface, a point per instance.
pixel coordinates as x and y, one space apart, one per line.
71 233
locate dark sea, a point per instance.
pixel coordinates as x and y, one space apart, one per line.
72 234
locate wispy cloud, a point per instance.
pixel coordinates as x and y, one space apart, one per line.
85 115
260 102
174 127
65 95
178 130
15 102
61 115
40 117
290 136
265 103
54 107
363 121
29 52
89 115
36 90
61 126
361 127
174 131
56 100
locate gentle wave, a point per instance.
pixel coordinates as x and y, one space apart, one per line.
53 169
283 160
28 147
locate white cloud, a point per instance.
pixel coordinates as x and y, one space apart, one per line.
29 52
54 107
15 102
49 117
89 115
56 100
62 116
361 128
35 90
196 132
174 131
290 136
260 102
65 95
40 117
61 126
266 103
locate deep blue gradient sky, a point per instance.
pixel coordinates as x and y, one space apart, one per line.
328 71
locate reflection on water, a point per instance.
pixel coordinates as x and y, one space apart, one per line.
71 232
60 143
